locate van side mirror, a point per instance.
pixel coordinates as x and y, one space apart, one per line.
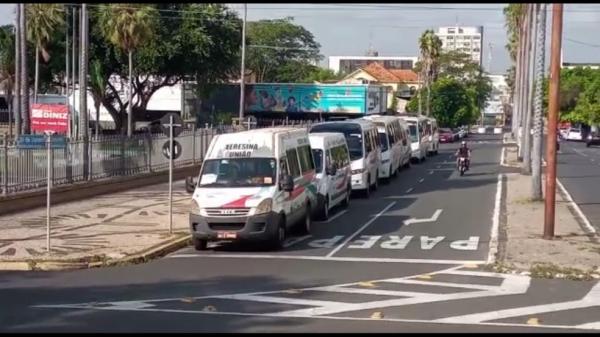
190 184
331 170
288 183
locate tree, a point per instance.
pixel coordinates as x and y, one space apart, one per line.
7 63
128 26
276 45
42 21
451 104
319 74
97 87
25 108
430 46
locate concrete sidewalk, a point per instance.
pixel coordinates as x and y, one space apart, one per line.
108 229
574 253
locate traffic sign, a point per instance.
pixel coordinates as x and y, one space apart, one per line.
36 142
177 124
177 149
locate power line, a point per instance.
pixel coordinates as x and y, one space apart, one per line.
583 43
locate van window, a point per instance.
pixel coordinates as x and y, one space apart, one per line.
391 134
412 129
368 142
306 161
384 141
339 156
293 165
318 158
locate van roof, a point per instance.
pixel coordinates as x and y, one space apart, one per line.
413 118
361 122
385 119
272 130
323 135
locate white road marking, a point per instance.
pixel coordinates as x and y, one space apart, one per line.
409 190
431 172
421 180
586 223
438 166
580 152
590 300
495 222
292 241
324 258
335 216
280 300
502 156
433 218
335 250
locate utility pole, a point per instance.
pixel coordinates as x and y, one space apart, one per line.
25 126
242 72
525 80
553 103
83 111
67 66
538 121
17 102
74 58
526 165
520 81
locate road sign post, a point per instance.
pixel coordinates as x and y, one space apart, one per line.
48 186
172 154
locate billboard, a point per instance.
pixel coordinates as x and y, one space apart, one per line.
50 117
307 98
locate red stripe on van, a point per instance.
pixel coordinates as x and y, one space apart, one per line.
238 203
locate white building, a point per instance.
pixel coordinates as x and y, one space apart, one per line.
468 40
348 64
570 65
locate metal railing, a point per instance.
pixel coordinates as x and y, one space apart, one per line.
24 169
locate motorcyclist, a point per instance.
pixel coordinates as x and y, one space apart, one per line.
463 152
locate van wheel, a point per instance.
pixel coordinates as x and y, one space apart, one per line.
307 223
395 172
376 184
199 244
368 189
325 211
346 201
278 238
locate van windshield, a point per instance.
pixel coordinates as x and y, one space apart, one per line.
412 129
351 131
238 172
318 157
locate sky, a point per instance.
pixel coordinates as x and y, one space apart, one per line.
394 29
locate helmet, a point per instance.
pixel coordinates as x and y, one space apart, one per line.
463 143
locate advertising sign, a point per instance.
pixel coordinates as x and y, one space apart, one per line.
303 98
50 117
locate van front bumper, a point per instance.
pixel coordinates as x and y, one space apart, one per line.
415 154
359 181
252 228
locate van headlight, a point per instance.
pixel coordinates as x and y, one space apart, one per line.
265 206
359 171
194 208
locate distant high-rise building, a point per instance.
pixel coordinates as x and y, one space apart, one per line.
468 40
348 64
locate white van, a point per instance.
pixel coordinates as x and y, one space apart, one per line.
406 143
434 136
254 185
392 146
419 140
365 154
334 173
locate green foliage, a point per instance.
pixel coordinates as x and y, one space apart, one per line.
43 19
579 95
451 103
275 48
319 74
7 58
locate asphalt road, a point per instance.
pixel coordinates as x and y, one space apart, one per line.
365 270
578 169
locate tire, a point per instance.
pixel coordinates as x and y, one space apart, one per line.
199 244
324 213
376 184
346 201
306 224
278 239
395 171
367 192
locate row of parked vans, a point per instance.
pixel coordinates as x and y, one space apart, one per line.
260 184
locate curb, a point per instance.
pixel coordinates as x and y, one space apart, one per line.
145 256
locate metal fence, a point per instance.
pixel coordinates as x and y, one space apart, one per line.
25 169
109 156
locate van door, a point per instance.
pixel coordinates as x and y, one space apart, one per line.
295 197
339 182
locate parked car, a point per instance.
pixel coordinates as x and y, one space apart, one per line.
593 138
456 133
563 132
446 135
574 134
463 133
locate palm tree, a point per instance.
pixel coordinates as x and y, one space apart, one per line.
97 88
430 46
25 108
127 26
42 21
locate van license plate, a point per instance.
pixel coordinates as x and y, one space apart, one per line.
226 235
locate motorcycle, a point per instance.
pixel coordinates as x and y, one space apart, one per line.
462 165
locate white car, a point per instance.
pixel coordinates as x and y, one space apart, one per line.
574 134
